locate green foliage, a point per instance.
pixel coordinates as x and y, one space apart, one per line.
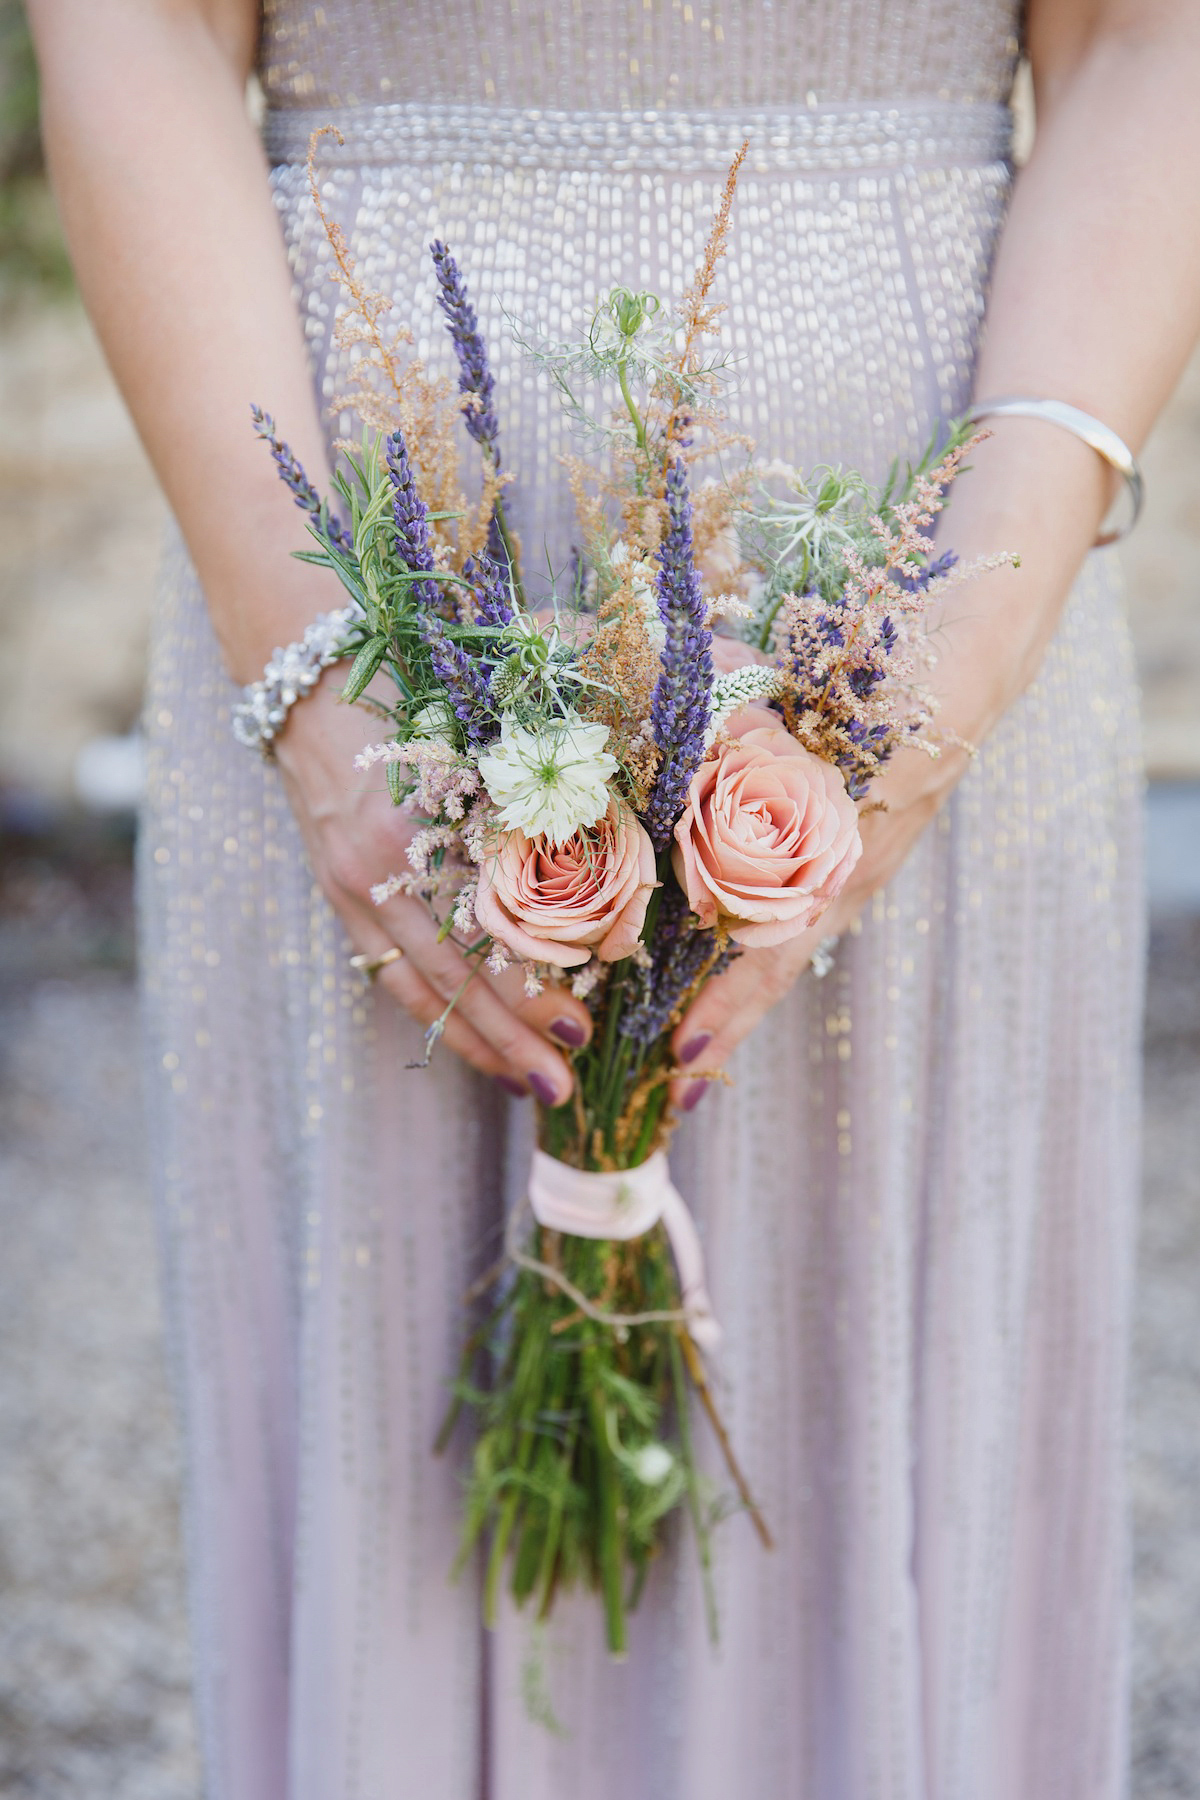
628 355
801 539
560 1483
33 257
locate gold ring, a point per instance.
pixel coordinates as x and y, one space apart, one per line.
371 965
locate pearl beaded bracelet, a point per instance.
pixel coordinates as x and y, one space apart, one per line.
262 712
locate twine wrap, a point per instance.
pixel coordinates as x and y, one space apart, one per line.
626 1204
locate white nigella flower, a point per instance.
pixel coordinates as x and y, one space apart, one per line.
551 780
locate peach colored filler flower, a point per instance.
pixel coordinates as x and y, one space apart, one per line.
767 839
556 904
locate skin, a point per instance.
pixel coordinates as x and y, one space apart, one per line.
1096 300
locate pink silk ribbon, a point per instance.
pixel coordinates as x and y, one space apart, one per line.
626 1204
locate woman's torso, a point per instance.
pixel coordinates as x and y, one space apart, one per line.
562 148
602 54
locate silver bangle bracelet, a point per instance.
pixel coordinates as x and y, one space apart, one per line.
1100 437
261 714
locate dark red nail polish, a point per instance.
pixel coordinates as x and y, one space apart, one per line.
693 1096
512 1087
694 1046
569 1032
543 1089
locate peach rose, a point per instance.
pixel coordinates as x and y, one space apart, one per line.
767 840
555 904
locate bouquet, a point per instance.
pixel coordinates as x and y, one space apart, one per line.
659 763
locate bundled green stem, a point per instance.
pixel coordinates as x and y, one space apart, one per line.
586 1444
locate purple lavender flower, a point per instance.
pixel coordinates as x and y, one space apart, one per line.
679 954
919 578
302 490
465 681
411 517
680 708
490 589
475 377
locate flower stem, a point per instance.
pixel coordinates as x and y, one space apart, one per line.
626 395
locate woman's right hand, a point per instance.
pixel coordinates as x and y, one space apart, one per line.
356 838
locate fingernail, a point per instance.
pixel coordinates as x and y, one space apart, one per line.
694 1046
543 1088
693 1096
569 1032
512 1087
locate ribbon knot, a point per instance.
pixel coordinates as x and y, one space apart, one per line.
626 1204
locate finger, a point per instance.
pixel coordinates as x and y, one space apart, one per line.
726 1009
555 1012
528 1057
729 1007
403 982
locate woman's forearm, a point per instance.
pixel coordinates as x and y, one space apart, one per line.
1095 300
165 203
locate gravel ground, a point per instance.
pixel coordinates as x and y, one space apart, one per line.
93 1652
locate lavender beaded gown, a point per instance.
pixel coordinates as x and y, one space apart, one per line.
917 1197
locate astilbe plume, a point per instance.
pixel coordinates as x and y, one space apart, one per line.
679 711
386 384
292 473
443 783
852 665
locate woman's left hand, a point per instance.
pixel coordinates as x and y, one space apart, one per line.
731 1005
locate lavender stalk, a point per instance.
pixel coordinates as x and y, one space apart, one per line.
475 382
303 492
680 708
475 378
466 683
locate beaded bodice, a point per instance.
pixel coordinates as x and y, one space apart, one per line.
609 54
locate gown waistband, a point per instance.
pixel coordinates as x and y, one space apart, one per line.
799 140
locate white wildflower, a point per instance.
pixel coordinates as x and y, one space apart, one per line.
424 845
651 1463
533 980
640 577
380 753
729 606
383 891
498 958
729 693
464 909
549 781
583 983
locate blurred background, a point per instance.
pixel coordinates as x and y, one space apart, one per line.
93 1649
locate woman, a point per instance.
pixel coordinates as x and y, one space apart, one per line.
917 1192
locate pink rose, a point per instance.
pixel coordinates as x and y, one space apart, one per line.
554 904
767 840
